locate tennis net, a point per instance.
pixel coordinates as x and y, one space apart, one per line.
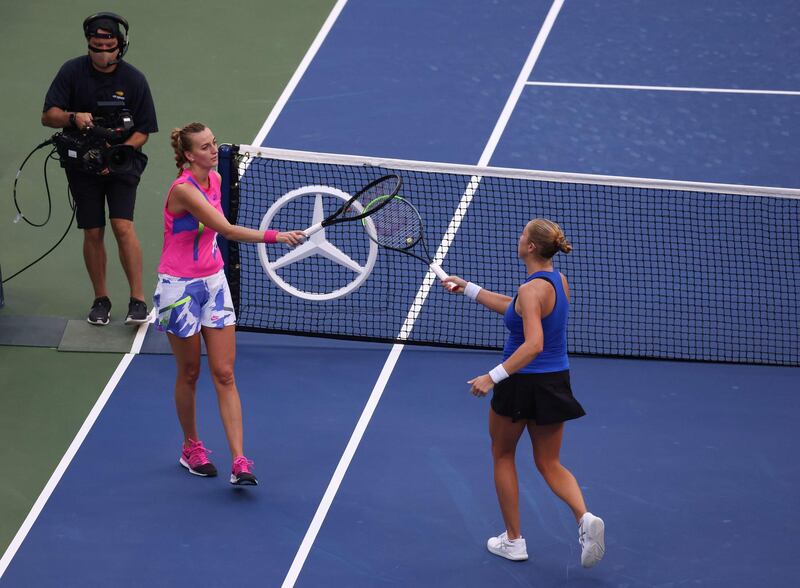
658 270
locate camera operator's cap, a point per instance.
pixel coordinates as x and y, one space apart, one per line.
108 21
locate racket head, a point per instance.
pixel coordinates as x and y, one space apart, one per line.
393 223
382 187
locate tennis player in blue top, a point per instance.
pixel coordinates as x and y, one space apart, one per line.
532 388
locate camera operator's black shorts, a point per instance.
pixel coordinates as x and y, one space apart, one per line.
91 192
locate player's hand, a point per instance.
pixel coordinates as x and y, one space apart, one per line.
481 385
454 284
293 238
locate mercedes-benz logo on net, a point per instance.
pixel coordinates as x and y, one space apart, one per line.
317 244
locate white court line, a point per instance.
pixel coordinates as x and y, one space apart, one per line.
666 88
341 468
422 294
299 72
72 450
139 339
141 332
62 466
486 156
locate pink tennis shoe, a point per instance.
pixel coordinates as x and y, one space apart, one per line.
241 475
194 458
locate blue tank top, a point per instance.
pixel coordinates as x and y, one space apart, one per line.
553 357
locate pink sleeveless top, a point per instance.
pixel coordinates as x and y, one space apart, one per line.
190 248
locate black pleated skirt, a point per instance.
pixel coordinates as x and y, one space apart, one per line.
543 398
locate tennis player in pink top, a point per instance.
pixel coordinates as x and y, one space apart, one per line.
192 296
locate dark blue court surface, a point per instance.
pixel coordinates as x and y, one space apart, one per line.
430 81
414 80
691 465
672 135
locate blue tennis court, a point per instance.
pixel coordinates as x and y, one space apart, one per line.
373 458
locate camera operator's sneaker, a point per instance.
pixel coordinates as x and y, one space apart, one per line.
591 534
194 458
241 474
100 313
137 312
513 549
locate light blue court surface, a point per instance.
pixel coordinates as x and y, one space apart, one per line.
692 465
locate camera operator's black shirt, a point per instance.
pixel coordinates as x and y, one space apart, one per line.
79 87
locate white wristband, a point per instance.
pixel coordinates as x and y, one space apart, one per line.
498 373
471 290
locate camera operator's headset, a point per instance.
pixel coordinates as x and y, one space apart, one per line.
121 26
121 34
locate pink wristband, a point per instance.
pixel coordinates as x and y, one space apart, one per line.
270 236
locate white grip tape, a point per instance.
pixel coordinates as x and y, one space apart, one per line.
313 229
437 269
498 373
471 290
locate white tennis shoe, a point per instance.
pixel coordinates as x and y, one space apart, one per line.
513 549
591 535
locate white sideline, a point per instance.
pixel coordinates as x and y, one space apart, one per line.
23 531
62 466
299 72
394 354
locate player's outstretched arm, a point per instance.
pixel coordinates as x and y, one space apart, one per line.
491 300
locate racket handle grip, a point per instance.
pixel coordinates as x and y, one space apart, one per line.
313 229
437 269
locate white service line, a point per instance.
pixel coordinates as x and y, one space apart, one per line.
666 88
422 294
62 466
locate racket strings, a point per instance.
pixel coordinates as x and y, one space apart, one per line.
397 225
374 193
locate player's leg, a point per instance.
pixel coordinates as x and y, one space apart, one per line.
221 346
505 434
187 360
178 305
546 440
194 455
219 332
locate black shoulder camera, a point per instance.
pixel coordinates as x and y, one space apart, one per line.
99 147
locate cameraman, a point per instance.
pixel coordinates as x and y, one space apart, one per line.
101 88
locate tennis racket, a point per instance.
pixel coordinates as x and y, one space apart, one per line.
396 224
379 192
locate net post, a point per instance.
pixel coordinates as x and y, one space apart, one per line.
229 186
